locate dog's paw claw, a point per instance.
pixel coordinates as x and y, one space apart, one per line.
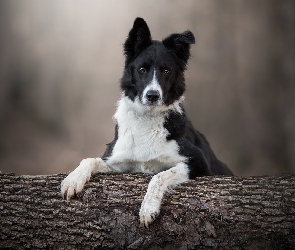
154 215
147 216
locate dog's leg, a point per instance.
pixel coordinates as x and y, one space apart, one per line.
159 184
76 180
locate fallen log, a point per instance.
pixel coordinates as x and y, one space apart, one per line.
209 212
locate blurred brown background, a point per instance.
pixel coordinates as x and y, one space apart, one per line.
61 61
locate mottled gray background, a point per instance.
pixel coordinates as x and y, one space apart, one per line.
61 62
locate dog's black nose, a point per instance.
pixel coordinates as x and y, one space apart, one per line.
153 95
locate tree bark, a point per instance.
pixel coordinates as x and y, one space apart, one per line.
209 212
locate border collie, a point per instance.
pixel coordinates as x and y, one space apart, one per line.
152 133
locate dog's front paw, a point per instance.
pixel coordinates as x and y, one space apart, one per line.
150 209
75 181
72 185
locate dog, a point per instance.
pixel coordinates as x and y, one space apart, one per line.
152 134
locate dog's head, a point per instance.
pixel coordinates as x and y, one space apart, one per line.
154 70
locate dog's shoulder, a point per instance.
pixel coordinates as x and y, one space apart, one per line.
175 123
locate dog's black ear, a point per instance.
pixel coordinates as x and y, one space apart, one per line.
138 39
180 44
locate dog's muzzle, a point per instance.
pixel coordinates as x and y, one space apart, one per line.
153 96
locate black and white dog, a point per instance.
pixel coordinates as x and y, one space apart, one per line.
153 134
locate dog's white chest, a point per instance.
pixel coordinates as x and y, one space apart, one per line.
141 139
142 142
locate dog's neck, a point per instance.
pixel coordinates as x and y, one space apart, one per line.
126 105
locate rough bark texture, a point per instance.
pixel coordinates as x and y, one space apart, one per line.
209 212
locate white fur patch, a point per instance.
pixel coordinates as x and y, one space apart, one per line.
142 145
153 85
159 184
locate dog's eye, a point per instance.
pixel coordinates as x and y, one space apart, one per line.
166 71
142 70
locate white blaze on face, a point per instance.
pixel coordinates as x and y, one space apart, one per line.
153 85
